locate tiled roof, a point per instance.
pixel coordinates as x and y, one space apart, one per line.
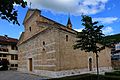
8 39
63 27
69 21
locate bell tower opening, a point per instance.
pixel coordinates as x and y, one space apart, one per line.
69 24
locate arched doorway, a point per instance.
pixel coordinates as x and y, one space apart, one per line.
90 64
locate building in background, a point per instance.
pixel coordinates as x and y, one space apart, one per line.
46 48
115 56
9 51
116 52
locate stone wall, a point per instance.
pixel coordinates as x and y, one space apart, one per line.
116 64
77 59
44 55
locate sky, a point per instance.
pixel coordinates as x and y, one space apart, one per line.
106 12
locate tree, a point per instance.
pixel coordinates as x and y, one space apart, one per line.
90 37
7 10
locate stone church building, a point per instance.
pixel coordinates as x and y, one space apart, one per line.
46 48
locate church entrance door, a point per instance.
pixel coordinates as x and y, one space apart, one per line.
30 64
90 64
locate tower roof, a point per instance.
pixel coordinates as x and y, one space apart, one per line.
69 21
69 24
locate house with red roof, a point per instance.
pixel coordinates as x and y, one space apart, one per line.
9 51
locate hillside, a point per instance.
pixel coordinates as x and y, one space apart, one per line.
112 39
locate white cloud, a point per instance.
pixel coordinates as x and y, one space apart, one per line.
79 30
75 7
107 20
20 32
108 30
16 5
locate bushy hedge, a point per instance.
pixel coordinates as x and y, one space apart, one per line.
88 77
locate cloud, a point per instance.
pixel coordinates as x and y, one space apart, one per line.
108 30
79 30
107 20
20 32
75 7
16 5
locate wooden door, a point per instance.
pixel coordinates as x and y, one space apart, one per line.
30 64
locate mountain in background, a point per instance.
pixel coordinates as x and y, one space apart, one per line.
112 39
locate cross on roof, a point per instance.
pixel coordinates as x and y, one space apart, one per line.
30 5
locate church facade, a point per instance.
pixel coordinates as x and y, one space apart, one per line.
46 48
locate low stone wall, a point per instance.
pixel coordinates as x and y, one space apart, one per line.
116 64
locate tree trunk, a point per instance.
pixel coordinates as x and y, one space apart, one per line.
97 66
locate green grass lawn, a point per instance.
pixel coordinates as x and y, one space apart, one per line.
115 73
108 76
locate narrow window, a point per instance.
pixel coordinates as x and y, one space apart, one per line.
16 48
43 42
12 65
12 47
4 55
30 29
16 57
66 37
12 57
16 65
43 45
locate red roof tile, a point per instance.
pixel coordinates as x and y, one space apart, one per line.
8 39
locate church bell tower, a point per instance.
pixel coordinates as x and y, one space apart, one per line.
69 24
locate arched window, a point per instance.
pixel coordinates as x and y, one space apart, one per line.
43 45
66 37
